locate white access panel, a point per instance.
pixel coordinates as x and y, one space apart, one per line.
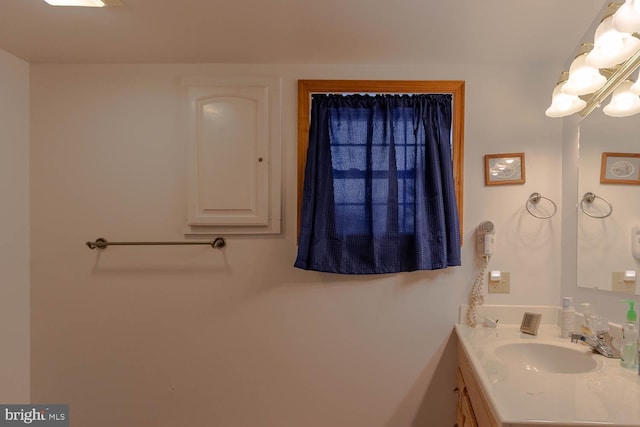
233 154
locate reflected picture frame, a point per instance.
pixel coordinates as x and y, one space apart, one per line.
504 169
620 168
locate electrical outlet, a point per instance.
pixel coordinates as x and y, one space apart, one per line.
618 284
501 286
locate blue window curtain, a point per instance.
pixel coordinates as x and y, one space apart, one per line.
379 193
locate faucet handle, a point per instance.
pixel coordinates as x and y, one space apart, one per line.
575 337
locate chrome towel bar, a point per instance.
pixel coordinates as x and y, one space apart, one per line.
102 243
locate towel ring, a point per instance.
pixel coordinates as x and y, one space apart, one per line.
589 198
533 201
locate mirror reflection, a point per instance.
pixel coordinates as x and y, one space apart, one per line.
609 203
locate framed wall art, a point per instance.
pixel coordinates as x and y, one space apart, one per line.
504 169
620 168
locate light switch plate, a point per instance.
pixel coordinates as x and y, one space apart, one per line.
501 286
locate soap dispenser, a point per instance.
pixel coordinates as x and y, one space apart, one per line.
630 338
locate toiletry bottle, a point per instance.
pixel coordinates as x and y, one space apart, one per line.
629 351
638 354
567 317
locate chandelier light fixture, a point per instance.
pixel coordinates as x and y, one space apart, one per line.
599 68
583 78
624 101
564 104
610 46
627 18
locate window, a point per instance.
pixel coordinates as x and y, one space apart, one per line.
455 87
379 192
353 163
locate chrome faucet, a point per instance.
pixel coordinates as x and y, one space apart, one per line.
601 343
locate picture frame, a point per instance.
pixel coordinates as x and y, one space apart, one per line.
620 168
504 169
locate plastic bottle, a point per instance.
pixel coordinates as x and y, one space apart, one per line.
567 317
629 351
638 355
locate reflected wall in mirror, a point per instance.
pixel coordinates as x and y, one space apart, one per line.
620 168
605 232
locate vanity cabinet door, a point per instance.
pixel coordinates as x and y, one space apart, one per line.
478 412
467 411
464 411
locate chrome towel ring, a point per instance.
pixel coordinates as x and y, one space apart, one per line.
532 204
589 198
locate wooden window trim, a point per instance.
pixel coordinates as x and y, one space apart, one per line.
454 87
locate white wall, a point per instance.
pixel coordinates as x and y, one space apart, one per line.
14 229
165 336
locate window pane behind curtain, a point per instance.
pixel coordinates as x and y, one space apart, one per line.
378 193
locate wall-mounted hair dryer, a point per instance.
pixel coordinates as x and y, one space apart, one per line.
485 235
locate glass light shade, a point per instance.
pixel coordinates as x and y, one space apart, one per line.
85 3
623 102
563 104
611 47
583 78
627 17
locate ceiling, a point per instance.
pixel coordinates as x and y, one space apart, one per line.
502 32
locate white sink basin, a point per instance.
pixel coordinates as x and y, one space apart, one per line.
548 357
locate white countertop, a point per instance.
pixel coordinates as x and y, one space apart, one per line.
608 396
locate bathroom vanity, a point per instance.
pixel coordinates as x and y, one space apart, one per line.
510 379
472 408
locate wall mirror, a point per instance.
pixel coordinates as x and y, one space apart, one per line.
608 169
607 203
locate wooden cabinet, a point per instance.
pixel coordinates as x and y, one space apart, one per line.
464 410
472 408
